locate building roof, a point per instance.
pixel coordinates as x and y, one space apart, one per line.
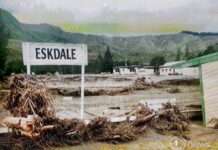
197 61
125 66
135 66
146 67
169 64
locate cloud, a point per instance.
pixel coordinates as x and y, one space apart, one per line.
199 14
189 15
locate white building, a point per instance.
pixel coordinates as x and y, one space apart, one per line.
146 70
130 70
167 69
124 70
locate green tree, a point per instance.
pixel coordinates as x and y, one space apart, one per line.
100 60
14 66
157 61
108 61
4 36
178 54
210 49
187 52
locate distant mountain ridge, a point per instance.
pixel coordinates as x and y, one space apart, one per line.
138 49
201 33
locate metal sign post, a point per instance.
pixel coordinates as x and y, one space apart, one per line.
82 91
57 54
28 69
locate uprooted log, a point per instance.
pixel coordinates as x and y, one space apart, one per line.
143 116
143 120
26 126
49 131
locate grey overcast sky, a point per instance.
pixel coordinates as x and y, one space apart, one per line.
200 15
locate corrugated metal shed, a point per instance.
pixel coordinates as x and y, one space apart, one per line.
208 66
210 89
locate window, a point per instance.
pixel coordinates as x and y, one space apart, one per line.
132 69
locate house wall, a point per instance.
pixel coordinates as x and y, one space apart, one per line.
143 71
210 89
116 71
189 71
167 71
123 71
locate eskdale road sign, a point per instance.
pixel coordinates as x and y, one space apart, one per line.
54 54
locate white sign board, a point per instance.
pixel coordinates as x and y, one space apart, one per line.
54 54
57 54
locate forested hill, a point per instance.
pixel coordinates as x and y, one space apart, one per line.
137 49
201 33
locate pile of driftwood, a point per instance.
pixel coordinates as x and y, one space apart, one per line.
188 81
141 84
28 96
170 121
33 117
91 92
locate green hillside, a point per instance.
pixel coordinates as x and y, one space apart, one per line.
137 49
94 28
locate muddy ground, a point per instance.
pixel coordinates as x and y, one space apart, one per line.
187 96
